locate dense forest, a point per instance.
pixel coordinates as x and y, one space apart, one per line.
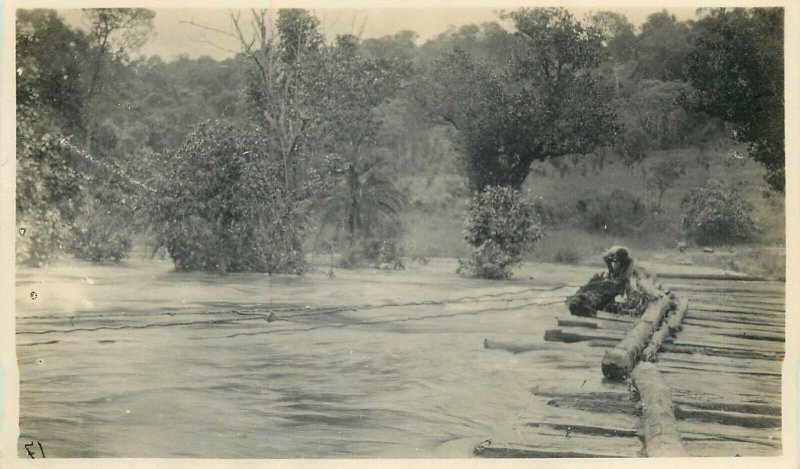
538 125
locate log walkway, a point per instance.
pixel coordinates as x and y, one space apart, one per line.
713 389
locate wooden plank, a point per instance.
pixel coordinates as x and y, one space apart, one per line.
704 436
574 334
745 408
588 430
754 287
676 367
709 360
719 447
515 347
593 323
588 323
737 319
619 361
512 450
728 387
721 351
734 276
713 324
661 435
606 316
751 335
733 298
728 418
596 405
717 308
716 368
691 339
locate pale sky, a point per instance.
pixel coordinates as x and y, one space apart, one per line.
172 36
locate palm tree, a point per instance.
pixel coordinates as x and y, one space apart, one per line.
365 205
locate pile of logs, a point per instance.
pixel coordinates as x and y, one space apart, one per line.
631 356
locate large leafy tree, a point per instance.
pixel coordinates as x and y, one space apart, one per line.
544 103
49 57
661 47
736 65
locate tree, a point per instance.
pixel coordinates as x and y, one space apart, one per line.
661 47
50 188
619 40
368 203
114 32
221 207
544 103
736 66
663 176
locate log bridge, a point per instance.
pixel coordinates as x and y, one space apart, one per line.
698 374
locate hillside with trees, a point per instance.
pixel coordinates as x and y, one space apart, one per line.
552 135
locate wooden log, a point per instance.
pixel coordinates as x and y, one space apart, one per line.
649 353
514 347
675 322
506 452
736 319
754 335
721 352
587 429
726 277
572 334
647 286
693 338
743 407
728 418
661 435
737 309
619 361
616 317
566 322
731 326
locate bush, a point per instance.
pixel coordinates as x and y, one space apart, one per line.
618 213
717 214
500 227
223 205
103 232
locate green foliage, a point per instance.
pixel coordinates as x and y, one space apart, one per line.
100 236
736 64
500 228
619 213
717 214
543 103
662 47
663 176
222 206
49 189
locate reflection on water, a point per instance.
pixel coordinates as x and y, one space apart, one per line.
309 382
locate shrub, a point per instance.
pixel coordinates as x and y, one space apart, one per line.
717 214
500 227
103 232
618 213
224 206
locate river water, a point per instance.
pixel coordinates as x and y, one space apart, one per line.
138 361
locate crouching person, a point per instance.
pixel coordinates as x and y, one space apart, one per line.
621 267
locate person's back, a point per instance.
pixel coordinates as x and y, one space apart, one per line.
621 265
